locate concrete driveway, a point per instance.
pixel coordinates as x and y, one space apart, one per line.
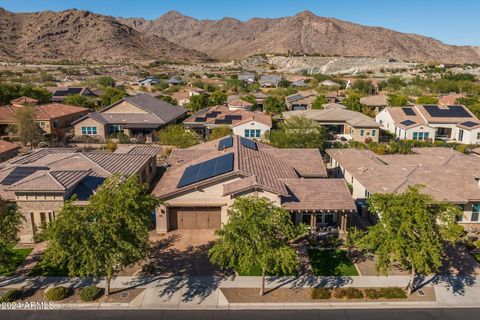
181 252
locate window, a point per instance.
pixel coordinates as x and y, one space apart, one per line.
252 133
257 133
42 125
415 136
247 133
460 135
420 136
89 130
478 136
374 132
362 132
367 194
475 212
115 128
462 208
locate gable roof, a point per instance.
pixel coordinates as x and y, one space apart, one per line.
375 101
222 115
8 114
6 146
355 119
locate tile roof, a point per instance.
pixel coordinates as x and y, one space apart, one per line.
445 114
24 100
223 115
265 164
446 175
163 110
6 146
356 119
375 101
8 114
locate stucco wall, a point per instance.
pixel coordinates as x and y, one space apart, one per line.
88 122
240 130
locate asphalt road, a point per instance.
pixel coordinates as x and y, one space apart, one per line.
377 314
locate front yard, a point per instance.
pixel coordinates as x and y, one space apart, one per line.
331 262
19 255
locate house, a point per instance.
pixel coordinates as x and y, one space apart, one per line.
300 101
431 122
52 118
235 103
8 150
59 94
41 181
24 101
149 81
260 98
175 81
342 123
377 102
333 106
247 77
136 116
329 83
249 124
270 81
333 98
443 173
203 181
183 96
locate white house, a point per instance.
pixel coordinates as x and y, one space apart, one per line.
430 122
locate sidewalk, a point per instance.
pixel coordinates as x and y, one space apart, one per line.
203 293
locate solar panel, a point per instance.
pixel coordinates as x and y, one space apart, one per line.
225 143
408 122
247 143
206 170
409 111
469 124
19 173
448 112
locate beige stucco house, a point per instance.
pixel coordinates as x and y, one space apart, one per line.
41 181
202 182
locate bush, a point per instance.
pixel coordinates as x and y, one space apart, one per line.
348 293
321 293
90 293
393 293
10 296
371 293
57 293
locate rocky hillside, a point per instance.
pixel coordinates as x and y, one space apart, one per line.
304 33
81 35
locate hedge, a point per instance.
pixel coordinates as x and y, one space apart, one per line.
348 293
11 296
57 293
321 293
90 293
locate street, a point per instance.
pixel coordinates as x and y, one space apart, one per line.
380 314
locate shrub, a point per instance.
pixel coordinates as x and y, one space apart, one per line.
393 293
10 296
90 293
348 293
57 293
321 293
371 293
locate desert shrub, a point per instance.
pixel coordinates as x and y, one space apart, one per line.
10 296
90 293
372 293
393 293
321 293
477 243
348 293
57 293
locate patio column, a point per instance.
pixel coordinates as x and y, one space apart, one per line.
313 221
343 221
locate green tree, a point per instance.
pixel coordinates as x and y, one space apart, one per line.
106 81
298 132
250 98
178 136
412 232
274 105
395 100
197 102
10 223
28 129
257 235
219 132
352 102
167 99
111 96
106 236
319 102
217 98
427 100
79 100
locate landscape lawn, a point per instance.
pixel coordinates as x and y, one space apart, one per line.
44 270
331 262
19 255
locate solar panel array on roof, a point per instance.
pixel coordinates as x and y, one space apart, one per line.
469 124
225 143
228 119
409 111
206 170
20 173
408 122
449 112
247 143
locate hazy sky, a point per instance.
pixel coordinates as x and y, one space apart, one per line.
451 21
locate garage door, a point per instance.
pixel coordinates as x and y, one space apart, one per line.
194 218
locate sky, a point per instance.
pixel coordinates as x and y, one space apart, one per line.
451 21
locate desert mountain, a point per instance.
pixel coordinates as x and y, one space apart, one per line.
304 33
81 35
